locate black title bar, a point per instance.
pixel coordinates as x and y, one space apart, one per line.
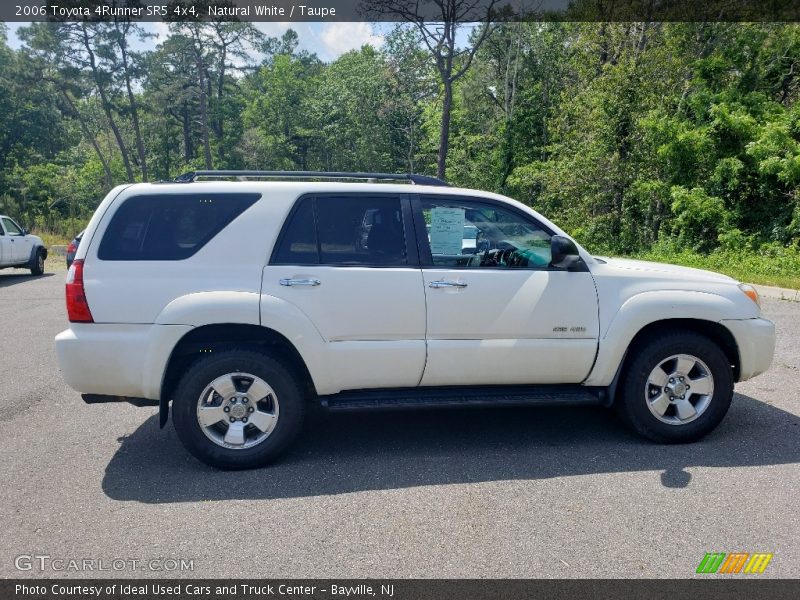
750 588
401 10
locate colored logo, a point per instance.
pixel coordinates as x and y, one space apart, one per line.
736 562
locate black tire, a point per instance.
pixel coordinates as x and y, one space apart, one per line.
206 370
37 266
633 406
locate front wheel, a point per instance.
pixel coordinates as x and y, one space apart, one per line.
677 388
38 264
237 410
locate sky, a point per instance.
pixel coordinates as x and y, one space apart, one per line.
327 40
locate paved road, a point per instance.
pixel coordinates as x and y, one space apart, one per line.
564 492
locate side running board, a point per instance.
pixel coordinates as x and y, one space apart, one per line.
440 397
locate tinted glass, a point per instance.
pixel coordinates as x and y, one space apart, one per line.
169 227
298 243
361 230
473 234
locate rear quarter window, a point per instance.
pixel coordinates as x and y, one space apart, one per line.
169 226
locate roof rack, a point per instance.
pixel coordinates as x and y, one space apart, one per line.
412 177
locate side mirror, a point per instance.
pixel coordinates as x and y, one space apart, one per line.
564 253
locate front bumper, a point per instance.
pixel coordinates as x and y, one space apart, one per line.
755 339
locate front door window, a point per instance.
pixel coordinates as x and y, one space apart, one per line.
476 235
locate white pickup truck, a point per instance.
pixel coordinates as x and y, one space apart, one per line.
20 249
238 297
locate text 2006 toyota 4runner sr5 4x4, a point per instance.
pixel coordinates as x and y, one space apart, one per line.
241 296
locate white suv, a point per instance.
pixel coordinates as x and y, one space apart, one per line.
242 298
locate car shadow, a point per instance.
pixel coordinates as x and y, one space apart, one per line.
341 453
9 279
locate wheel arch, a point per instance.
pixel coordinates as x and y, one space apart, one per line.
216 337
716 332
648 311
35 250
712 330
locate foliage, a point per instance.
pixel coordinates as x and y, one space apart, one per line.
770 264
660 139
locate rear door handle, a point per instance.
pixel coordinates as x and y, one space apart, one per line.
291 282
443 284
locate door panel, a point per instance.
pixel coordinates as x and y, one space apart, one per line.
508 361
515 327
23 248
18 245
354 303
5 249
511 304
358 281
497 313
372 319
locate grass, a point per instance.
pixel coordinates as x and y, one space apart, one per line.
52 239
770 266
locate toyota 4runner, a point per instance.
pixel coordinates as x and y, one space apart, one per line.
238 297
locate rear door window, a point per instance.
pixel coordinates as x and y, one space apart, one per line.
297 244
169 226
342 230
361 230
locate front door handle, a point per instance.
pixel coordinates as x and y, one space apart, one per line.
291 282
443 284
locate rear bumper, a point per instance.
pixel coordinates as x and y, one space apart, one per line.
755 339
117 360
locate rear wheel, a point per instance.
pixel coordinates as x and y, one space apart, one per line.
38 263
677 388
237 410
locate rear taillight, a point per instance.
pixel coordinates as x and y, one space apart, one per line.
77 306
71 248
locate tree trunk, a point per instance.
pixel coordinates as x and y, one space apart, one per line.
188 145
219 120
411 144
106 104
444 131
109 178
134 111
203 108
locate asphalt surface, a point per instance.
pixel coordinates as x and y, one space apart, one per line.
558 492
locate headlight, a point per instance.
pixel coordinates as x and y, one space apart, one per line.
751 293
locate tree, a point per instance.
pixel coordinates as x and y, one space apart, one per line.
230 40
170 92
412 85
78 49
351 107
279 130
125 63
194 43
439 36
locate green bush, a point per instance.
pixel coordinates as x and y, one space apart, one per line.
769 264
699 219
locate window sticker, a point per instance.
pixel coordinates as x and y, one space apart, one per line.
447 230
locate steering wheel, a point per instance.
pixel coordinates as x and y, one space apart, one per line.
506 257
